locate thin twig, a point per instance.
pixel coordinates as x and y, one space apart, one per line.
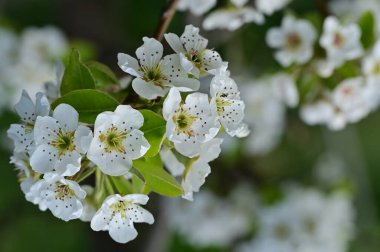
166 18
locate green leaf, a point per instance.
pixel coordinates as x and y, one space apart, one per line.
102 74
139 186
156 177
88 102
122 185
77 75
154 129
368 27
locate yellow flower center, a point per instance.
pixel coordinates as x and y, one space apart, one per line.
64 142
113 140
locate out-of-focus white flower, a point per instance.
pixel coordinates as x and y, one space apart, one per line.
60 142
118 140
197 7
8 48
306 220
189 123
284 88
203 222
61 196
351 10
119 213
195 175
195 58
154 74
330 169
265 116
268 7
42 44
342 42
232 18
294 39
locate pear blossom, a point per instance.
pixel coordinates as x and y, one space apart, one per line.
118 140
294 39
60 142
341 42
61 196
89 209
189 123
226 102
22 134
196 7
285 89
52 88
195 58
268 7
232 18
154 74
195 175
118 214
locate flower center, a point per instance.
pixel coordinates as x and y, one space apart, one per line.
221 102
64 142
120 207
338 40
293 41
310 225
63 191
153 75
282 231
113 140
195 57
184 120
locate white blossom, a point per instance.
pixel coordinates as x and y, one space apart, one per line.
89 209
189 123
285 89
196 7
175 167
61 196
118 214
118 140
154 74
341 42
232 18
60 142
226 103
268 7
294 41
195 58
22 134
26 176
195 175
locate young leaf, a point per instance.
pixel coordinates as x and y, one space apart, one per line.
88 102
156 177
122 185
102 74
368 28
139 186
154 129
77 75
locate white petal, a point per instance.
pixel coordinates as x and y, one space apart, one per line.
67 117
150 53
121 231
133 118
147 90
42 105
100 221
140 215
174 42
136 145
171 163
82 139
22 139
45 129
141 199
26 109
171 103
128 64
211 60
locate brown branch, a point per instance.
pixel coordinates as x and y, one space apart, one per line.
166 18
322 7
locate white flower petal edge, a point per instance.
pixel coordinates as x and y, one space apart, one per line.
60 143
196 7
118 214
118 140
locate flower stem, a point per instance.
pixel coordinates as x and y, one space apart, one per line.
166 18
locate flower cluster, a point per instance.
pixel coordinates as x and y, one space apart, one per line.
342 76
234 14
57 149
